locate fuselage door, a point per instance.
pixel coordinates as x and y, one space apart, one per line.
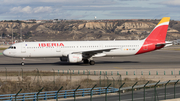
58 49
23 48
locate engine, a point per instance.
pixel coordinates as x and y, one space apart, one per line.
74 58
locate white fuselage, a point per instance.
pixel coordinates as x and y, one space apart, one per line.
58 49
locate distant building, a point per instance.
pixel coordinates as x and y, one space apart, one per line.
32 20
55 20
41 21
176 42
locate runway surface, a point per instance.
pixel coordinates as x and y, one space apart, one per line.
161 59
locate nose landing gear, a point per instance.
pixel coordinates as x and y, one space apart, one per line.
22 63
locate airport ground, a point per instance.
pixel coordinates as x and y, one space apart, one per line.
165 60
160 59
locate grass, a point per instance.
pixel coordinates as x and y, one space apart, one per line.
176 49
33 84
173 49
3 48
27 85
35 73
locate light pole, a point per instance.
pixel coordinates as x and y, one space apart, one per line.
20 31
12 32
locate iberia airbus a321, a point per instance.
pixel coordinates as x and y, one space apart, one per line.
85 51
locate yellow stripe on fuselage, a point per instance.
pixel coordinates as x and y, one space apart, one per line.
164 19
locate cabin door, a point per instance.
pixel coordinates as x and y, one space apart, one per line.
23 48
58 49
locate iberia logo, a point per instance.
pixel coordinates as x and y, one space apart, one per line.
50 44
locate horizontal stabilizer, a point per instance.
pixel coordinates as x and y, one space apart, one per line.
160 45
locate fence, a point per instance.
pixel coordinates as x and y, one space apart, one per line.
168 72
101 78
72 75
55 94
122 72
85 92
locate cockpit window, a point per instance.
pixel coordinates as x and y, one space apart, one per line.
12 47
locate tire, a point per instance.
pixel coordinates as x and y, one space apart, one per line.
92 62
22 63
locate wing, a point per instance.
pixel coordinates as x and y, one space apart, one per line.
90 53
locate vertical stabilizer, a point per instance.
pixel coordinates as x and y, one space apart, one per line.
156 39
159 32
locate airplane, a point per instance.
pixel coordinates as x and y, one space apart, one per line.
85 51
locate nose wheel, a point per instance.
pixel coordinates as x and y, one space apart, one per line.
22 63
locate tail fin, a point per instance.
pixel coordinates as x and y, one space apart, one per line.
159 32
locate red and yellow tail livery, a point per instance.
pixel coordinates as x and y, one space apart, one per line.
156 39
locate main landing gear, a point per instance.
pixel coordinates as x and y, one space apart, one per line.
91 62
22 63
86 61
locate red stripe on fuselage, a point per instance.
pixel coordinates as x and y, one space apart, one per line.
157 36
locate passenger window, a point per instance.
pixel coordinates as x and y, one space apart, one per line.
14 47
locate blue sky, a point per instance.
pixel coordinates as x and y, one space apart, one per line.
87 9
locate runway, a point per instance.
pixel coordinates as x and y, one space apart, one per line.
161 59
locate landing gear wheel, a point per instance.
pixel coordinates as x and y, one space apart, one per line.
22 63
86 61
92 62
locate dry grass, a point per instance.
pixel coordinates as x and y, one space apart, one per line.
28 85
173 49
3 48
34 73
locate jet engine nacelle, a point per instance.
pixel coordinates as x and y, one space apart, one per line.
74 58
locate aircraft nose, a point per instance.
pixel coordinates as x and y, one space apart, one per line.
5 53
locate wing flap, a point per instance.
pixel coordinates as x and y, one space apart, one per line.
95 51
90 53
